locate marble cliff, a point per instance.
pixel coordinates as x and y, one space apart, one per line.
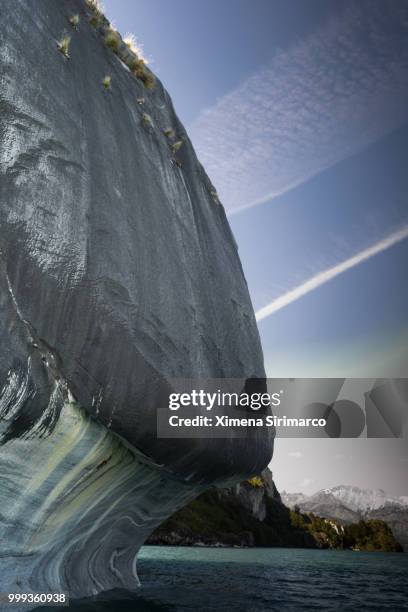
118 273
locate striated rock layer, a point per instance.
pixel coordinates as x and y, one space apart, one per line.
118 273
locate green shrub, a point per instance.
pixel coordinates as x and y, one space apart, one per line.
175 147
215 196
74 21
255 481
147 120
133 46
107 81
63 45
96 8
169 132
139 69
371 535
95 21
112 40
94 5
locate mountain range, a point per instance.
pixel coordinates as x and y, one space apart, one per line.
349 504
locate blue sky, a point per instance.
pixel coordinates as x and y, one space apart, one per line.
299 113
201 50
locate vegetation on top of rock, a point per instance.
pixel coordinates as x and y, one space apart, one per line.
112 40
215 196
107 81
126 49
131 42
138 68
256 481
74 21
169 132
94 21
95 5
97 15
176 145
63 45
147 121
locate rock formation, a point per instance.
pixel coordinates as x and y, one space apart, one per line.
118 273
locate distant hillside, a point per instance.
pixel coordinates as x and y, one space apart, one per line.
348 504
253 514
396 518
322 503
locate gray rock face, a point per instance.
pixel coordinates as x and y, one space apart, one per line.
254 498
118 272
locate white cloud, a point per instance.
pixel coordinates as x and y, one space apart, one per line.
306 482
317 102
326 275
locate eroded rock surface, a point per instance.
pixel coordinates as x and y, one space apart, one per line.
118 272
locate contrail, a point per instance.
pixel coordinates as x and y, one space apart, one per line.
323 277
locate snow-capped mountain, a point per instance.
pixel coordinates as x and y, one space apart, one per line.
353 498
364 500
322 503
293 499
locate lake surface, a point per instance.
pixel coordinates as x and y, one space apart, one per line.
256 580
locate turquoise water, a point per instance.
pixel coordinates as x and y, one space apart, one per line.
256 580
